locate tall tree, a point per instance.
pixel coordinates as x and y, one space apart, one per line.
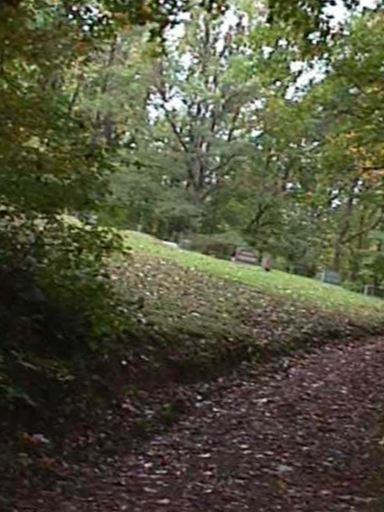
200 107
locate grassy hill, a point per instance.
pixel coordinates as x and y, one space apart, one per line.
197 310
276 283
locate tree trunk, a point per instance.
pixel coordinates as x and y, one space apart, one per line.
344 228
356 254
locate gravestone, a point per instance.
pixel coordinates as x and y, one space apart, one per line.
173 245
244 256
267 263
185 244
330 277
369 289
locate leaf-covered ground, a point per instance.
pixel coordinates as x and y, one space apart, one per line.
281 285
305 437
193 320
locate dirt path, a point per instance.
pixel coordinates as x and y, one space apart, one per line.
303 439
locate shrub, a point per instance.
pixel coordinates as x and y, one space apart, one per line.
221 245
57 304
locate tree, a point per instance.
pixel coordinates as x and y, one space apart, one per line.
348 107
57 299
197 112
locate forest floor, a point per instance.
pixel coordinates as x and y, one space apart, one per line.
234 390
304 436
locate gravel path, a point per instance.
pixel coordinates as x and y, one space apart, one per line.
305 438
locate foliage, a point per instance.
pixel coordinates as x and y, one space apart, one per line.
57 305
57 302
224 141
310 17
221 245
200 129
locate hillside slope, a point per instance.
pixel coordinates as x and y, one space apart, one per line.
276 283
198 310
191 318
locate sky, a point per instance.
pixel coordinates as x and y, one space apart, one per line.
340 15
340 12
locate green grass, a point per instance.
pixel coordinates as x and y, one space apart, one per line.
308 292
196 313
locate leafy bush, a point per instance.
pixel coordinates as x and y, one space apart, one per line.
221 245
57 304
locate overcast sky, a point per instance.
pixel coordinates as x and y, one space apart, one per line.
340 15
340 12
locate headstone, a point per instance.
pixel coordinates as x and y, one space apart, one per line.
369 289
330 277
185 243
267 263
244 256
173 245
